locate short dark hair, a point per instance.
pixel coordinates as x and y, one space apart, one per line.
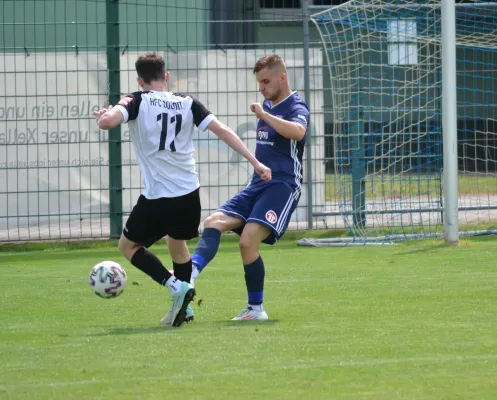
150 67
270 61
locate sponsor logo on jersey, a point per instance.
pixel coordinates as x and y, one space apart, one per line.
262 135
271 217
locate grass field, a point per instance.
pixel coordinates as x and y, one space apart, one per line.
423 185
410 321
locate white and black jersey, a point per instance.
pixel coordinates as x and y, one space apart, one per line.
161 128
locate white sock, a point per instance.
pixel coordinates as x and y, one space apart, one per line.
257 307
173 284
195 272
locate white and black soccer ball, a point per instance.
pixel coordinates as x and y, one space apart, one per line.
108 279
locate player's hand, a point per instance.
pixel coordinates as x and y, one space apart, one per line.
257 109
263 171
98 114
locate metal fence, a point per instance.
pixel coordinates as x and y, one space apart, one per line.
63 178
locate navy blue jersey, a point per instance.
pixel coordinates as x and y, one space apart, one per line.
282 155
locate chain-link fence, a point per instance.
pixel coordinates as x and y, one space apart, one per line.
63 178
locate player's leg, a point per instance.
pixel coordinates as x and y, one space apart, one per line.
231 216
182 264
144 226
208 245
183 220
182 260
252 236
143 259
267 223
138 234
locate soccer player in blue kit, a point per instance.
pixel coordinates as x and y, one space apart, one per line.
261 212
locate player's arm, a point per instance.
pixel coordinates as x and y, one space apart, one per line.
109 118
126 110
229 137
290 129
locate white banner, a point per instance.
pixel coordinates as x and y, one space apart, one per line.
54 175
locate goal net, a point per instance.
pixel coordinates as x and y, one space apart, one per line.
385 65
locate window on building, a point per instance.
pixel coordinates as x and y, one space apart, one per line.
280 3
402 42
328 2
297 3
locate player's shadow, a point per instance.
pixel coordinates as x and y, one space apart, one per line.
136 330
254 323
163 329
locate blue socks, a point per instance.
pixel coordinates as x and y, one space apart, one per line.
254 273
254 279
206 248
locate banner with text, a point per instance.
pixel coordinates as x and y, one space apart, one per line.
54 175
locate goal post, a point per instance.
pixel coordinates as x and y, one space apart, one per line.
449 121
414 111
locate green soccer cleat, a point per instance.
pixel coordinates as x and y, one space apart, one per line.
181 300
168 318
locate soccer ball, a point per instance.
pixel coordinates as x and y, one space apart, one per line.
108 279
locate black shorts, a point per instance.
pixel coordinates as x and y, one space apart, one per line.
152 219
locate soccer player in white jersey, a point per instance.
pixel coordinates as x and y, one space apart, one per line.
260 213
161 126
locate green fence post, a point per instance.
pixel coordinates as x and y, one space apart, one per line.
115 160
305 22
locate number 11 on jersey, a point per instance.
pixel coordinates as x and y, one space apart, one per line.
177 120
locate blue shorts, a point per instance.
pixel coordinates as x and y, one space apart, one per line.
270 204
